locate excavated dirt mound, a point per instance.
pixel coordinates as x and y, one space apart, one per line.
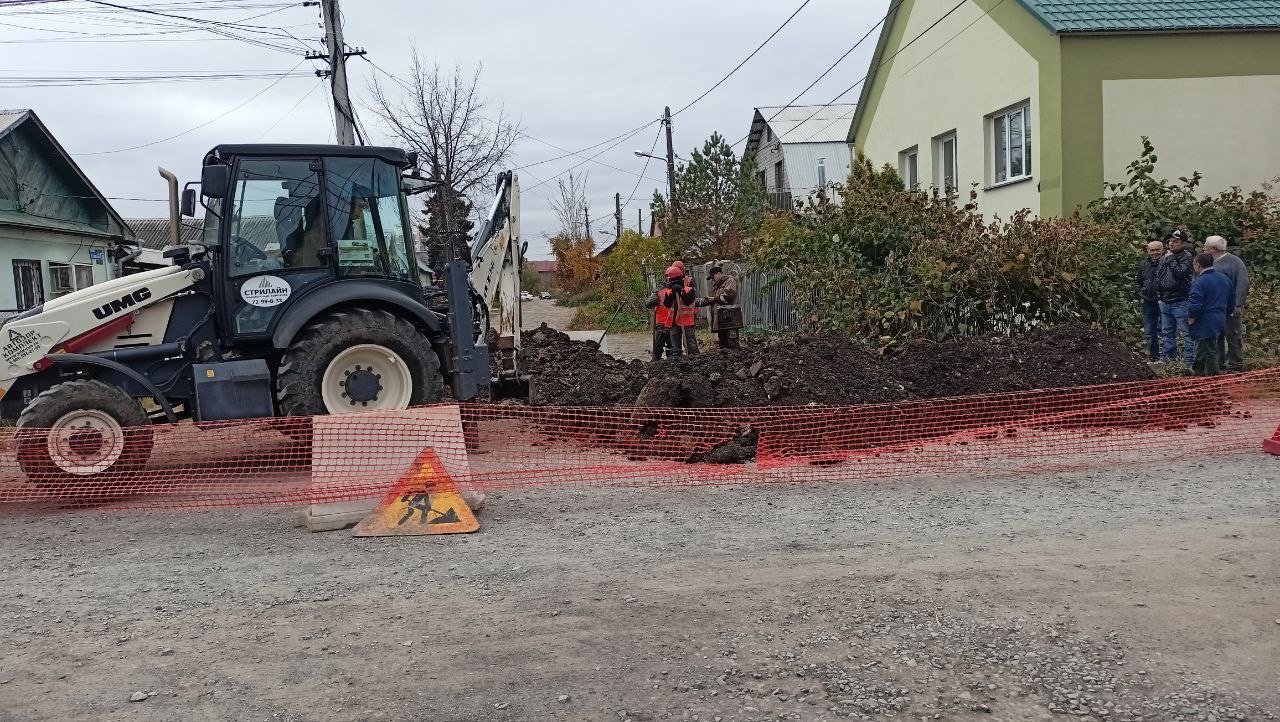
825 369
566 372
1046 359
793 372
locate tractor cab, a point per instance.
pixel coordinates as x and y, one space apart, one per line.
290 225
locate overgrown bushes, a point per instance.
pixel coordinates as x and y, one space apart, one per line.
893 264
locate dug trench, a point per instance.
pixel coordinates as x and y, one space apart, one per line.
878 400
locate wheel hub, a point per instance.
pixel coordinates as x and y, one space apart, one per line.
361 385
85 441
366 377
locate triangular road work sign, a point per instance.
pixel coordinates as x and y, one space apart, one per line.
424 501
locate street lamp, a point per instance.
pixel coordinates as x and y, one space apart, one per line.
642 154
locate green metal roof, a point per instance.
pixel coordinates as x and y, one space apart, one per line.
1082 16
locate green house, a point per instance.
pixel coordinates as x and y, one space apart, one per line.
57 231
1038 103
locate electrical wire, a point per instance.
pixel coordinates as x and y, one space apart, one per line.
198 127
893 8
744 61
567 153
895 54
289 112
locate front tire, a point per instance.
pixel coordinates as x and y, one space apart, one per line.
357 360
81 433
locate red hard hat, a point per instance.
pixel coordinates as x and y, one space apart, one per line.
678 264
674 272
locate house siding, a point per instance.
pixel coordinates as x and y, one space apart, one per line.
951 79
46 247
1225 90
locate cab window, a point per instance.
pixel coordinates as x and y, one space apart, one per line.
366 218
277 217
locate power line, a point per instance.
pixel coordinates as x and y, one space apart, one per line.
567 153
831 67
289 112
895 54
743 62
202 125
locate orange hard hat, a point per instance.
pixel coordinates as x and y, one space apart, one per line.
674 272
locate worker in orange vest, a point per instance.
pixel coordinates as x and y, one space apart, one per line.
668 303
687 320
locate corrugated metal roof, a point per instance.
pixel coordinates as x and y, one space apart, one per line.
1076 16
10 118
807 123
153 233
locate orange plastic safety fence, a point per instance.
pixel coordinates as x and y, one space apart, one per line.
492 446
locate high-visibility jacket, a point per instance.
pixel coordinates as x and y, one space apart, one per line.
686 314
665 315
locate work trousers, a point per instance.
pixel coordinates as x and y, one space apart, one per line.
1174 323
1231 346
690 339
668 339
1206 360
727 339
1151 326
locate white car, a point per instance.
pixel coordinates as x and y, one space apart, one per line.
526 296
545 295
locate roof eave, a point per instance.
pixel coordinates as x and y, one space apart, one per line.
886 27
111 211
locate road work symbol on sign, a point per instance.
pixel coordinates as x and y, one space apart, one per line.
424 501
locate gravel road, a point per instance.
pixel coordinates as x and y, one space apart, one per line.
1148 592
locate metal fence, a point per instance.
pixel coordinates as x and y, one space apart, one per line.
765 305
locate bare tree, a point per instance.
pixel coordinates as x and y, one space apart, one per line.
570 206
444 118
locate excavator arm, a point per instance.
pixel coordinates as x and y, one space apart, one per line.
497 255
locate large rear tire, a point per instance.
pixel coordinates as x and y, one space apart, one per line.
357 360
80 436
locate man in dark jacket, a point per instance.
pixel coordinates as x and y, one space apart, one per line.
1174 277
1149 297
1211 301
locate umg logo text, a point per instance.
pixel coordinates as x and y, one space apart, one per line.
120 304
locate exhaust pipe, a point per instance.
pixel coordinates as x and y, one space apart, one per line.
175 224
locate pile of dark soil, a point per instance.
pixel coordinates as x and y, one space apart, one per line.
1050 358
825 369
566 372
793 372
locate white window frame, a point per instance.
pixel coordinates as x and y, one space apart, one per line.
940 163
909 167
1001 137
822 172
74 271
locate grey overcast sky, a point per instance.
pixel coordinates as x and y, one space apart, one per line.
572 72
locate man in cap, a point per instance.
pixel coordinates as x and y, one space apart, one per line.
1174 276
723 302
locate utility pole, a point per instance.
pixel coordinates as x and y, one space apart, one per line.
640 221
344 118
617 212
586 213
671 164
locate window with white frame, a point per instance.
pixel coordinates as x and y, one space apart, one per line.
1011 144
946 163
67 277
909 167
822 172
